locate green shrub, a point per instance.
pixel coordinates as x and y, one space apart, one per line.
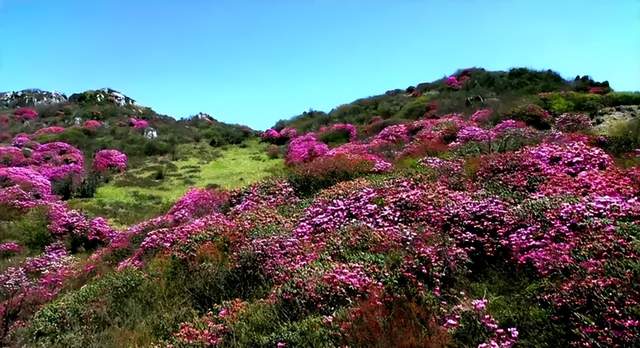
623 136
29 228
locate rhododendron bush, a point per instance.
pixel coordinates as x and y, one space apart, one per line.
49 130
139 124
26 114
106 160
92 124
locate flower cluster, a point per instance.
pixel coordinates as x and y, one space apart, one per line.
106 160
22 187
91 124
498 337
9 248
305 148
58 160
25 114
49 130
11 156
481 116
137 123
273 136
209 330
23 140
573 122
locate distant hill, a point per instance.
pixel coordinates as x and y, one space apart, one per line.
467 90
62 118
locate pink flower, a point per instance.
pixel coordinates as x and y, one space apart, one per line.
92 124
49 130
26 114
305 148
106 160
138 123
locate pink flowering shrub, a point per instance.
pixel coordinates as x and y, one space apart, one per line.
139 124
23 187
273 136
25 114
270 135
304 149
9 248
453 82
11 156
572 122
106 160
49 130
59 160
34 282
92 124
66 221
288 133
481 116
23 140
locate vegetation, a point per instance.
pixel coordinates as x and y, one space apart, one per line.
485 209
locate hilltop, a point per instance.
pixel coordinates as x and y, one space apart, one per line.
484 209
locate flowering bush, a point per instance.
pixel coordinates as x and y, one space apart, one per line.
49 130
25 114
571 122
106 160
92 124
304 149
273 136
23 140
58 161
139 124
23 187
12 157
481 116
9 248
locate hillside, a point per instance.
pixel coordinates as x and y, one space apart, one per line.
485 209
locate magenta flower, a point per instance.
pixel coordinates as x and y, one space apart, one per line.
305 148
106 160
92 124
138 123
25 114
49 130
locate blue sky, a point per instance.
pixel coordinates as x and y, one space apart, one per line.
255 62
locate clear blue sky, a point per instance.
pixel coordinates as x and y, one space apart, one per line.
255 62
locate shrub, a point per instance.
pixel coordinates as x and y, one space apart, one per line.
304 149
30 228
273 151
337 134
573 122
326 171
531 114
623 136
106 160
393 323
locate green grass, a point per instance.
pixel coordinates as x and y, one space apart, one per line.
151 188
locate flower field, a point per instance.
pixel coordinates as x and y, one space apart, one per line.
478 228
